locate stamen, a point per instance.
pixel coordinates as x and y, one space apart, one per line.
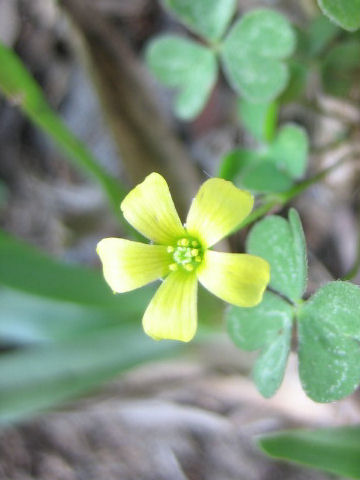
173 267
184 255
184 242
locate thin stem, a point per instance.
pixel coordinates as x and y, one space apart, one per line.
281 199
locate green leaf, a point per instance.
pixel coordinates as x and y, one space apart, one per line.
186 65
329 335
334 450
36 379
26 269
297 83
248 169
252 54
208 18
233 164
266 327
340 68
290 150
31 319
264 177
282 244
21 89
259 118
345 13
319 34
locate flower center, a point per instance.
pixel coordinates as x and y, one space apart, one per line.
186 254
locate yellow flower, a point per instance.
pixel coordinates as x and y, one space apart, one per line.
182 254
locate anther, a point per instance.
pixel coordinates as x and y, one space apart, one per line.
189 267
173 267
170 249
183 242
194 252
198 259
194 243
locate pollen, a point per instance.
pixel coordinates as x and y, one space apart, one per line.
184 255
183 242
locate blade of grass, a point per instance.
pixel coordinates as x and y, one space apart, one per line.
21 89
335 450
36 379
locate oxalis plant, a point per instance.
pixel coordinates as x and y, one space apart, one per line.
267 62
253 52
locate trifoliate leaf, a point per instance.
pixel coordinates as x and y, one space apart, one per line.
186 65
282 244
235 162
319 34
329 336
264 177
208 18
266 327
290 150
345 13
259 118
252 54
297 82
249 169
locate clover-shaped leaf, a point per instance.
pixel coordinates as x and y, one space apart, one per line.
186 65
320 32
259 118
282 244
290 150
248 169
267 328
272 168
345 13
253 51
209 18
265 177
329 336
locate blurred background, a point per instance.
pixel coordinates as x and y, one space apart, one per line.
83 393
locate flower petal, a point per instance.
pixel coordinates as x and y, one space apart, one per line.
172 313
149 208
128 265
239 279
218 208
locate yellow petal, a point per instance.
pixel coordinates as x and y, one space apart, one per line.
218 208
239 279
149 208
128 265
172 313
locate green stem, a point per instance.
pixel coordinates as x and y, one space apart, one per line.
279 200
